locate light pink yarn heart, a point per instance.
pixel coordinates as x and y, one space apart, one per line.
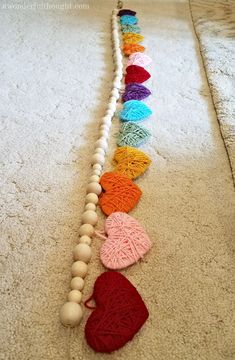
139 59
127 241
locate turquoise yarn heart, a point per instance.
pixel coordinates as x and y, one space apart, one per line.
131 29
134 110
132 134
128 20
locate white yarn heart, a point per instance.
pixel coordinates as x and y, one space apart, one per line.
127 241
139 59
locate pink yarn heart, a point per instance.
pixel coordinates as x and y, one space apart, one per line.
127 241
139 59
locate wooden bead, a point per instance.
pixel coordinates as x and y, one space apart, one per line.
94 187
94 178
96 172
104 133
75 296
85 240
77 283
98 159
89 217
100 150
102 142
90 206
82 252
97 167
79 268
71 314
91 198
86 229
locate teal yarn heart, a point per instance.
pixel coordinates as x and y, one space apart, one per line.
131 29
128 20
132 134
134 110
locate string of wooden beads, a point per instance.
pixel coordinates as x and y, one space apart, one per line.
71 312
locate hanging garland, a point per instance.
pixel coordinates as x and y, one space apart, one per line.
120 311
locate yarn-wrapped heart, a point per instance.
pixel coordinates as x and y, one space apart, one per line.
132 134
119 193
129 49
126 12
131 38
135 91
127 242
134 110
131 161
130 28
128 20
120 313
139 59
136 74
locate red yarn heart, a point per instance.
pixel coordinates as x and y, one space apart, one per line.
137 74
119 314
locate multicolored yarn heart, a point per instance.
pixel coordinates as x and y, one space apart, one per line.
128 20
130 29
126 12
131 38
134 110
132 134
119 193
139 59
127 242
131 161
136 74
129 49
119 315
135 91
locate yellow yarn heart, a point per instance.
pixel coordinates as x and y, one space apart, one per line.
131 38
130 161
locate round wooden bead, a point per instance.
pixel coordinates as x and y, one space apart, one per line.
90 206
86 229
100 150
96 172
98 159
75 296
82 252
89 217
85 240
115 93
102 142
91 198
94 178
104 133
79 268
105 127
97 167
112 106
77 283
71 314
94 187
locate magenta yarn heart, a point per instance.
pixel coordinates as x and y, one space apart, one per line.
139 59
127 241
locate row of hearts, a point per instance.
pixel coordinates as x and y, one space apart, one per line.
109 328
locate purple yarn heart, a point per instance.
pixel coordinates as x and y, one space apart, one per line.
126 12
135 91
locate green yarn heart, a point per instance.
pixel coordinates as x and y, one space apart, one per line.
132 134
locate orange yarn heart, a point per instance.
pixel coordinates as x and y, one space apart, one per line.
129 49
130 161
119 193
132 38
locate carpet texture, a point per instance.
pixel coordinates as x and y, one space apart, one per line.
214 22
56 73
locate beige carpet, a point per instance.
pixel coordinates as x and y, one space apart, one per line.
56 72
214 22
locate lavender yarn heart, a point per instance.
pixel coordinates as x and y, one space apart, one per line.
135 91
